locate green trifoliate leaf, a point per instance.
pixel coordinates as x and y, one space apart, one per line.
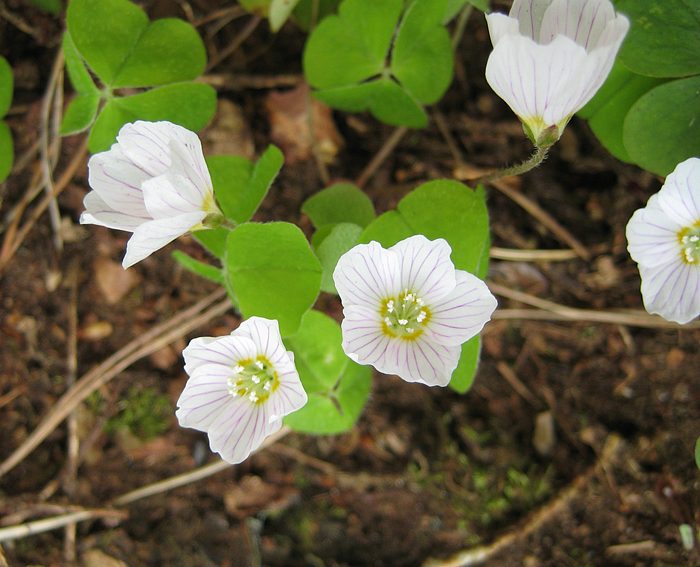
7 152
337 387
342 202
463 376
422 55
188 104
80 113
168 51
272 272
126 50
350 60
105 32
607 110
662 128
664 38
75 65
342 237
240 186
6 86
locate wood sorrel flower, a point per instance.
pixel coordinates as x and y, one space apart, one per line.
240 387
550 57
664 239
153 182
407 310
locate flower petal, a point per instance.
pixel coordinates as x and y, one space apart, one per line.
672 290
652 236
226 351
153 235
501 25
462 313
265 335
188 161
170 195
680 195
424 360
584 22
366 275
100 213
426 267
541 83
364 341
529 14
289 396
117 180
202 402
147 144
240 431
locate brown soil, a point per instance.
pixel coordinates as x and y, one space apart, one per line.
426 473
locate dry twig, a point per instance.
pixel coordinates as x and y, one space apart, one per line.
384 152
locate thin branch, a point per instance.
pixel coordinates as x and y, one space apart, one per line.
552 311
56 522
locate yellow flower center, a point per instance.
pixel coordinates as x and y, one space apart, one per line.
689 239
253 379
405 316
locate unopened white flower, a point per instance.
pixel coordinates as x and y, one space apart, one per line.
240 387
153 182
664 239
407 310
550 57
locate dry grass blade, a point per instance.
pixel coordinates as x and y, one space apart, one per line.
516 255
56 522
11 243
149 342
551 311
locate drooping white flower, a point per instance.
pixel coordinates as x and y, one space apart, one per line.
664 239
240 387
153 182
407 310
550 57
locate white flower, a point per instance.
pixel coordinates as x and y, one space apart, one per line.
240 387
153 182
550 57
664 239
407 310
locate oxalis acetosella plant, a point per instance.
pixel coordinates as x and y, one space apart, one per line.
408 309
406 290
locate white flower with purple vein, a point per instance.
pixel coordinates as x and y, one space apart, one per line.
664 239
240 387
153 182
550 57
407 310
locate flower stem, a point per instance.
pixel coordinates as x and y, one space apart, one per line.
531 163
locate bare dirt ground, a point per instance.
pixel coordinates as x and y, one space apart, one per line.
573 448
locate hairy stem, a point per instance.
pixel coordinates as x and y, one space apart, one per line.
531 163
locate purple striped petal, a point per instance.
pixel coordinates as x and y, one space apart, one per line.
366 275
426 268
680 196
225 351
584 22
265 335
463 313
425 361
652 236
672 290
100 213
363 338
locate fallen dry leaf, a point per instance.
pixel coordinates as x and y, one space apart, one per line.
289 121
113 280
96 331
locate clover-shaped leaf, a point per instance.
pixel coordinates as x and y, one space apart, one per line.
115 39
6 145
375 56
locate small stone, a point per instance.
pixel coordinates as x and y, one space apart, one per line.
544 436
